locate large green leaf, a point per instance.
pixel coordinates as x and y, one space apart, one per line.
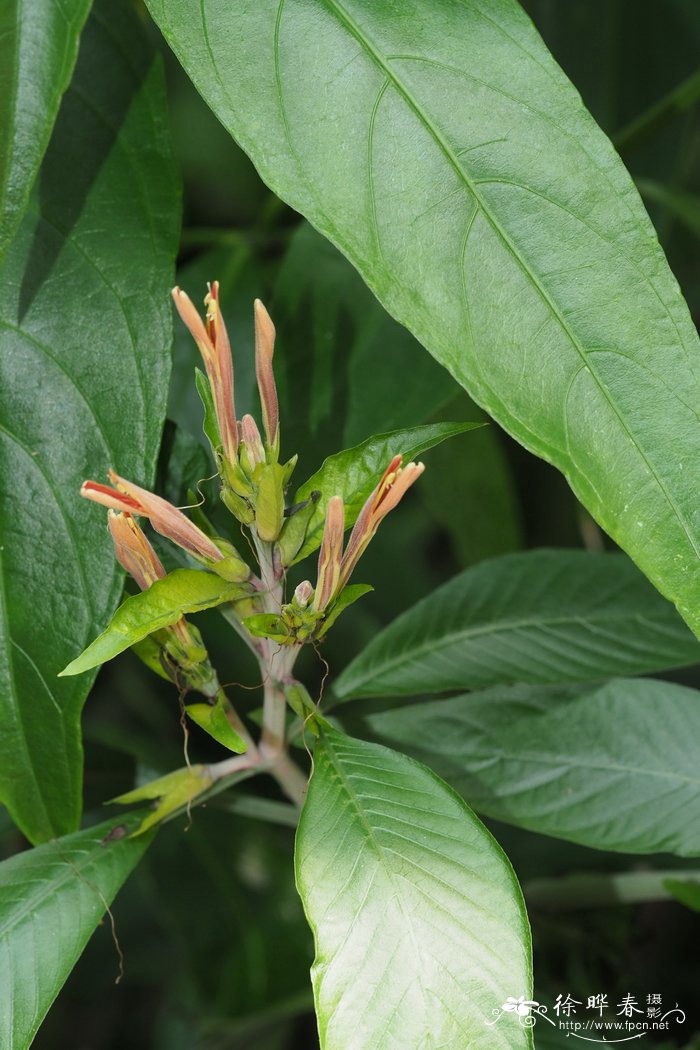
354 472
541 616
443 150
85 330
419 923
613 767
38 48
164 603
51 900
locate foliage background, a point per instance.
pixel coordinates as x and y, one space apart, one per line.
216 947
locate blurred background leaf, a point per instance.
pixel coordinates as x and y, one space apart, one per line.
85 330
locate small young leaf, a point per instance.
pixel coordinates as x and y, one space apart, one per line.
212 719
348 596
51 900
418 919
182 591
613 767
174 791
542 616
353 473
269 625
210 425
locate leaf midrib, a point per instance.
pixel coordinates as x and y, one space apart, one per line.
433 645
48 889
354 29
377 849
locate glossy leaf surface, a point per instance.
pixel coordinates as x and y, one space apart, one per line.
51 900
446 154
419 923
542 616
164 603
38 48
85 330
613 767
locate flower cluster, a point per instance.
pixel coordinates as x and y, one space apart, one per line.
253 488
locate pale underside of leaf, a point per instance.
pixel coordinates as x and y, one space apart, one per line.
542 616
492 217
419 925
613 767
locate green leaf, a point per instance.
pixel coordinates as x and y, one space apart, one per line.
212 719
270 625
85 330
51 900
443 151
348 596
38 48
613 767
418 919
210 425
173 792
542 616
685 891
353 473
165 601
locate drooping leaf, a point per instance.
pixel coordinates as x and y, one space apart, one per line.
613 767
172 792
353 473
51 900
542 616
38 48
164 603
445 153
85 329
419 923
212 719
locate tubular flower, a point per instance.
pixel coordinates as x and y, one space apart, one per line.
165 519
135 554
336 568
264 349
394 483
215 348
330 555
250 438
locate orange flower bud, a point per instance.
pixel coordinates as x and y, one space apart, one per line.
215 348
392 487
330 555
264 349
165 519
134 552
